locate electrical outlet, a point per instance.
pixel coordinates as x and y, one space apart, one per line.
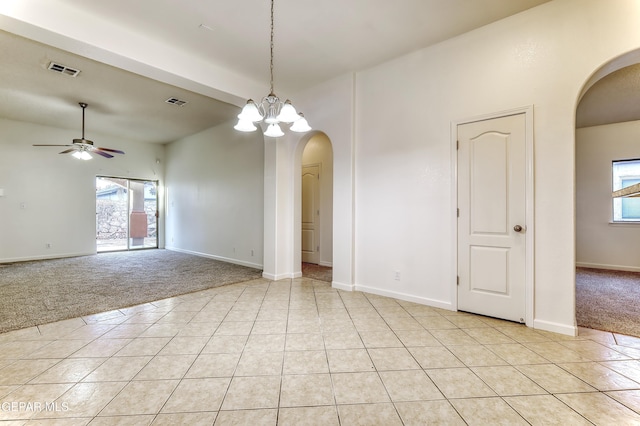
396 275
251 252
48 245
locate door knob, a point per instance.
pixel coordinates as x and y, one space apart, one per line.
517 228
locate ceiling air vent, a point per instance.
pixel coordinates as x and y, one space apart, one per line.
175 101
63 69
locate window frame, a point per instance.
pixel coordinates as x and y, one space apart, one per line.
616 203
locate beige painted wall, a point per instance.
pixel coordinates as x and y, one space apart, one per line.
51 198
405 165
215 195
599 243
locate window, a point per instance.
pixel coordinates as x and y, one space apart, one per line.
626 173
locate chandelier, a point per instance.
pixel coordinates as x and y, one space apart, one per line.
271 110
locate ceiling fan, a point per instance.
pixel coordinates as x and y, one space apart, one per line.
81 148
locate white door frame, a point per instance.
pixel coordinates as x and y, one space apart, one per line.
317 227
529 204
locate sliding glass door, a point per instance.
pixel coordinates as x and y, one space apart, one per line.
126 214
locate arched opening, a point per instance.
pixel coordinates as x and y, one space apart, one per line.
608 227
313 235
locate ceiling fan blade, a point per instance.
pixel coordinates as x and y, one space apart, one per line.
104 154
117 151
49 145
66 151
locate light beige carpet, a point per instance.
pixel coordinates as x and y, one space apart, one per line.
39 292
317 272
608 300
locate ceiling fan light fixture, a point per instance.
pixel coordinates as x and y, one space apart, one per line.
82 155
81 148
271 109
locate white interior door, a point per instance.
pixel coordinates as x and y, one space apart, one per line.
311 214
491 222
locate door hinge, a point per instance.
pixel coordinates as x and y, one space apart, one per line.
318 248
318 212
457 144
458 212
458 280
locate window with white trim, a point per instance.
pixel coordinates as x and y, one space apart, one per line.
626 173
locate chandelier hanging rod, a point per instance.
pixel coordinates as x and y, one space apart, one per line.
271 55
271 110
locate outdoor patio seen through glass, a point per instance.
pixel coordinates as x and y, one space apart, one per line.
126 214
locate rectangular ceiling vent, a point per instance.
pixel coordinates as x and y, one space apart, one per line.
175 101
63 69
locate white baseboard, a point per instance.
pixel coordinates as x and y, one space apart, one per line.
341 286
276 277
608 267
554 327
220 258
407 297
394 294
328 264
296 275
46 257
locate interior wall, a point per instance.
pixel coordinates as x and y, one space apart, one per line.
331 106
318 151
405 166
214 195
394 169
50 198
600 243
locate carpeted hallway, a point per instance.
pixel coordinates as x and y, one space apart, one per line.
608 300
317 272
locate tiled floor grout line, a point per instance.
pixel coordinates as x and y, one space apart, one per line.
353 305
186 371
132 378
324 346
453 354
480 378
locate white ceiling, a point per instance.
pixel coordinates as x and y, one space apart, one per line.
314 42
120 103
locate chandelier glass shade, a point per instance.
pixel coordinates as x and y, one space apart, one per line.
271 110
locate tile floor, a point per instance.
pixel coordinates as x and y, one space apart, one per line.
298 352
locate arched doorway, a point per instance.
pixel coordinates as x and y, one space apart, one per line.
315 204
608 240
